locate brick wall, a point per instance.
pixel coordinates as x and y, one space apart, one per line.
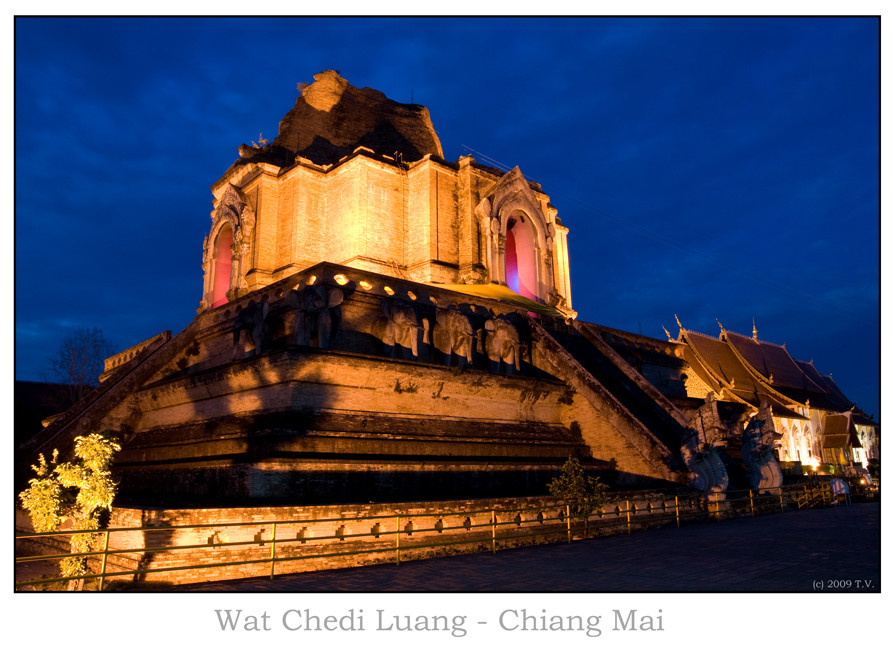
316 537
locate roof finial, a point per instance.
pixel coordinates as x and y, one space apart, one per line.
678 322
755 329
720 324
669 336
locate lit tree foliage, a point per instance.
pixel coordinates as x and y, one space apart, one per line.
585 493
77 491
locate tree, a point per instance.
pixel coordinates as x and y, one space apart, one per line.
75 492
80 360
585 493
874 468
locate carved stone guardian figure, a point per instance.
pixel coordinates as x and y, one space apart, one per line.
758 446
700 449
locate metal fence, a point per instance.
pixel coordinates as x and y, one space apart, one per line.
293 546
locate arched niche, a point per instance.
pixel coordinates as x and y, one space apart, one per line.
222 266
521 273
519 245
227 250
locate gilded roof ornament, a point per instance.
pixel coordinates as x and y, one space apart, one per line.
669 336
679 322
755 329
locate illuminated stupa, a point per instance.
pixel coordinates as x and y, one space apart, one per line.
377 323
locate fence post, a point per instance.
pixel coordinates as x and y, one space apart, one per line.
273 551
398 540
105 554
781 498
568 519
752 513
677 510
493 530
629 527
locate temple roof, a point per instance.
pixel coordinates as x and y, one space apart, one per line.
724 367
772 362
839 432
753 370
332 118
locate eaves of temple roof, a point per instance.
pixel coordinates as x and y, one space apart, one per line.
790 386
715 362
719 362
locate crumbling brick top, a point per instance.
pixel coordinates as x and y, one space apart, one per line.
332 118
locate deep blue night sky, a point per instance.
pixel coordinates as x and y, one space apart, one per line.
711 168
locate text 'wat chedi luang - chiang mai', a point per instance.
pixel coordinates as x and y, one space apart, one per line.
378 323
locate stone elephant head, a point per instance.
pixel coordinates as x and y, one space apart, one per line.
397 325
253 321
502 344
453 334
314 306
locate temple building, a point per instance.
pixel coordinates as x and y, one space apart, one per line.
817 423
378 323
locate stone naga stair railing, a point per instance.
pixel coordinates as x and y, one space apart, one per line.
605 349
84 417
566 367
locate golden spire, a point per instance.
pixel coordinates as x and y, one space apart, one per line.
669 336
755 329
720 324
678 322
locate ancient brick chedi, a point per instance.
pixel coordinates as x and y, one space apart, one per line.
359 180
377 323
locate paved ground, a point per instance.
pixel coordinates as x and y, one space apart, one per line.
826 548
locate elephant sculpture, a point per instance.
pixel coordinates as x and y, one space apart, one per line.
397 325
314 308
253 321
453 334
502 345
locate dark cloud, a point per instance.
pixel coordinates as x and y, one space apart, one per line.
711 168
